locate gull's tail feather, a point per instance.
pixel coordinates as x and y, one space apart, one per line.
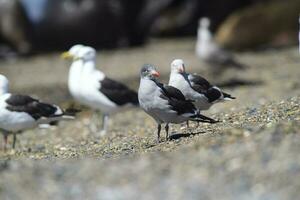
227 96
201 118
70 113
238 65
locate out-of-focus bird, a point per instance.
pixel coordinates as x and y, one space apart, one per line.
165 104
93 88
210 52
21 112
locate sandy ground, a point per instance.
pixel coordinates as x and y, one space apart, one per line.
252 154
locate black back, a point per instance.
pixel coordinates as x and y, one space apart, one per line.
198 83
35 108
213 94
118 92
201 85
176 99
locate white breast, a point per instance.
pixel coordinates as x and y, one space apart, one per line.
14 121
155 106
89 93
74 82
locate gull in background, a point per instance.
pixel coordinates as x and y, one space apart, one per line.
210 52
21 112
165 104
93 88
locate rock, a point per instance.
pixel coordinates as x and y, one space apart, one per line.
29 26
181 17
274 23
14 26
58 24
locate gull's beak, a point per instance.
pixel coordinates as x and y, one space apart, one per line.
66 55
181 69
155 73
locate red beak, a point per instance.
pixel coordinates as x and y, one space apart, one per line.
155 73
181 70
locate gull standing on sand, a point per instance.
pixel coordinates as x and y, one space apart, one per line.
210 52
165 104
195 87
21 112
93 88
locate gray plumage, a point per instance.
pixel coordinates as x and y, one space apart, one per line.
165 104
210 52
195 87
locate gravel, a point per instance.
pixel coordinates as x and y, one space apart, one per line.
253 153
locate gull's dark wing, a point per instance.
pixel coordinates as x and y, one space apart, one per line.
31 106
201 85
118 92
198 83
176 99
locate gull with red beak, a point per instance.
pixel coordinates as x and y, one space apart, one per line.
165 104
195 87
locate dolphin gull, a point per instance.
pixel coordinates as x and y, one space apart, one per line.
165 104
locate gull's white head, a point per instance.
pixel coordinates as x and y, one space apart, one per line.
75 49
86 53
3 84
177 66
204 22
72 53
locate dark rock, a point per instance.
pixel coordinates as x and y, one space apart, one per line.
59 24
181 17
274 23
14 26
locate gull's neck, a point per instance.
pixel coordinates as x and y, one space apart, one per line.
89 66
204 42
173 77
147 85
3 89
89 70
2 92
75 69
176 79
204 35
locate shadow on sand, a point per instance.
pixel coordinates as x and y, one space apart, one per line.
177 136
236 82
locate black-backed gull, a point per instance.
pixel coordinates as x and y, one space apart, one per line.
21 112
91 87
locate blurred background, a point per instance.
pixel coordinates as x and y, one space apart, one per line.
253 153
32 26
